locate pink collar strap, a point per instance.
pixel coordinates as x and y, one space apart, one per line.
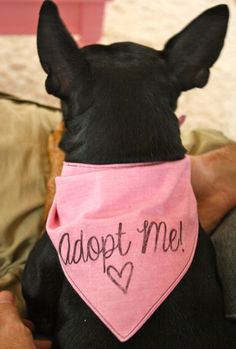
125 236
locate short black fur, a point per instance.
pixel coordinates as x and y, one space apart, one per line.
118 105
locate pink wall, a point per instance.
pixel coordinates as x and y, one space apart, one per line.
83 17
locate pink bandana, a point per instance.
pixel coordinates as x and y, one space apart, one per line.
125 236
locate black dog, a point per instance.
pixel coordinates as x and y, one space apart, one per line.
118 105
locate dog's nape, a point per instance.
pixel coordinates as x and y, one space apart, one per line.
118 100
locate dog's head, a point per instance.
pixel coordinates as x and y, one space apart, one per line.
118 101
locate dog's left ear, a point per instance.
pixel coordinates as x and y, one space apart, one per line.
194 50
59 55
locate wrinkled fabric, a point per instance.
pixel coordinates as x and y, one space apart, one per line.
201 141
125 236
24 129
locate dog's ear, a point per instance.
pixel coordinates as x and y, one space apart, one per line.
59 55
194 50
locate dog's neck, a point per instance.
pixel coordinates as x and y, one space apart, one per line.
87 142
162 152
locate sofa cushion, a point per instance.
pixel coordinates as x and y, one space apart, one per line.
25 127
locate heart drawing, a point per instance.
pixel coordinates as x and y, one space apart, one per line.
121 278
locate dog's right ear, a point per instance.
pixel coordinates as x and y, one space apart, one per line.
59 55
193 51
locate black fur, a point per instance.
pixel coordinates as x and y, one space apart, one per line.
118 104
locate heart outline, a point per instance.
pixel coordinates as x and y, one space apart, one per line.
110 267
